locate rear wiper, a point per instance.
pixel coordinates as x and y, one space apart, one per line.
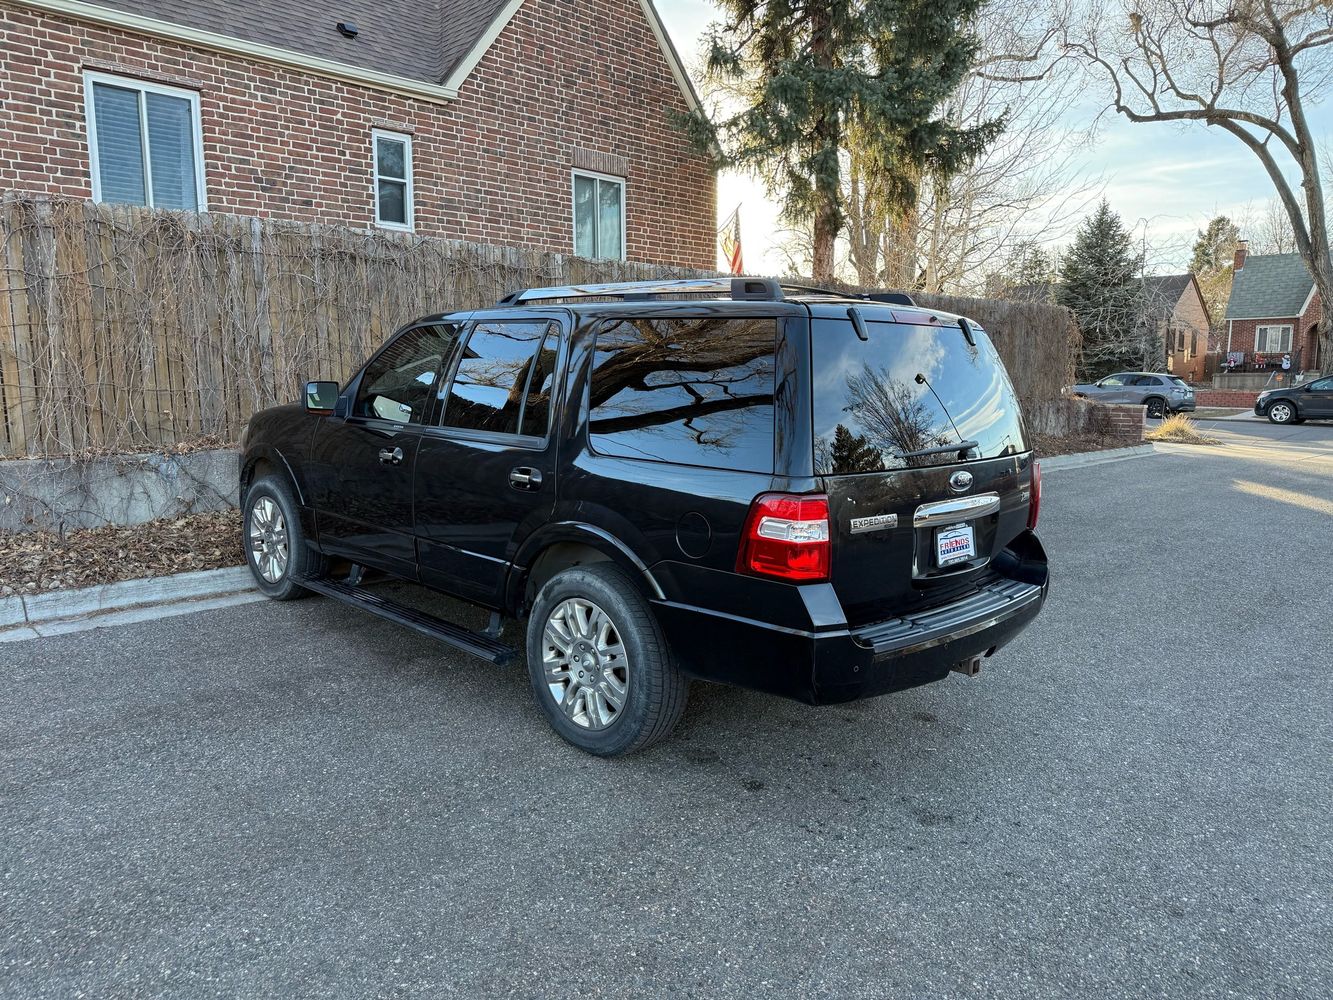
962 447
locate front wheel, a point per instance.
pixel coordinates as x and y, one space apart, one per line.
1282 412
599 665
275 546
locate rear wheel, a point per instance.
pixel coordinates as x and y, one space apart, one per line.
1282 412
275 546
599 664
1156 408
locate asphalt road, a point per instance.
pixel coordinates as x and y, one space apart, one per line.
1135 799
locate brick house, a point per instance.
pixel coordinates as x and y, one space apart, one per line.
545 123
1175 310
1273 313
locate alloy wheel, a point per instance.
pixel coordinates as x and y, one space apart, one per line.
268 539
585 663
1281 413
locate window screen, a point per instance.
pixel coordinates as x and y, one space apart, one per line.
690 392
399 383
504 380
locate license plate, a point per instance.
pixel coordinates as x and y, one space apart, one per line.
954 544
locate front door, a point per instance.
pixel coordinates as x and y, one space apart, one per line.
361 465
486 472
1318 401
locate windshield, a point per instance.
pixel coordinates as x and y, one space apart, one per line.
893 401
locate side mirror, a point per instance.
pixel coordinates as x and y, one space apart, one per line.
321 397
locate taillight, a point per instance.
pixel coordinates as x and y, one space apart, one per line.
787 536
1034 508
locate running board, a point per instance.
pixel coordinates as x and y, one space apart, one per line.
437 628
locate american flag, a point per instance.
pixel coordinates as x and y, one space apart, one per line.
729 236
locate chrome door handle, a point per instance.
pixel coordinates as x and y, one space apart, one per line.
525 478
391 456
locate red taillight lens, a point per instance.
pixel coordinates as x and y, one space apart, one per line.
787 537
1034 508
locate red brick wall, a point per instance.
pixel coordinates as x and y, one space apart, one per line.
493 166
1223 397
1125 420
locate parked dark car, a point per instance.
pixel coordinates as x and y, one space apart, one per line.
1161 394
820 496
1312 400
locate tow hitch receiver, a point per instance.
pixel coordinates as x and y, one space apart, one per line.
969 667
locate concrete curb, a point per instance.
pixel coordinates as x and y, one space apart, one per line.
1086 458
35 613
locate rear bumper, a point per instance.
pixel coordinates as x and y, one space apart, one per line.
1185 406
838 665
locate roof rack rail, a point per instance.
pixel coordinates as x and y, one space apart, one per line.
739 289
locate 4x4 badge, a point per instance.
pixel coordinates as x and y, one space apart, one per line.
960 481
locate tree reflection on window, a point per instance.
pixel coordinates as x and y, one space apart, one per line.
688 391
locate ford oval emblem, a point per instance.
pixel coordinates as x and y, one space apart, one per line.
960 481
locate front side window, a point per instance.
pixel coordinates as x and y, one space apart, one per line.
599 216
1323 385
393 179
685 391
144 143
1111 380
1273 340
504 380
398 385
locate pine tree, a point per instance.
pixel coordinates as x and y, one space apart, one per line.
853 453
1212 264
816 76
1100 280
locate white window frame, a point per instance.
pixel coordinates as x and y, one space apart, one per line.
1284 333
573 200
91 77
409 192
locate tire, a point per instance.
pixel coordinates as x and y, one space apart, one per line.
589 608
1156 408
271 517
1282 412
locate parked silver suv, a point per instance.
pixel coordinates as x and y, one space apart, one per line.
1161 394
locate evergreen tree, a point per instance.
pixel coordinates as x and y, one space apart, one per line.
853 453
1212 264
1100 280
818 76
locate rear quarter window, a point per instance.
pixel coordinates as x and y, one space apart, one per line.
908 388
685 391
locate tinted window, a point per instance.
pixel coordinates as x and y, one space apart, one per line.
688 391
1147 380
504 379
1323 385
399 383
907 389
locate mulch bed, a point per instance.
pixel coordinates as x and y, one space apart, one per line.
33 561
1049 445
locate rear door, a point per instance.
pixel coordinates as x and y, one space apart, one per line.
486 473
918 438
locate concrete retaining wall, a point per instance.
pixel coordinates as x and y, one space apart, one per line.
68 494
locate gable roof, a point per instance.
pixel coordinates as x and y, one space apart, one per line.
425 48
1166 289
1270 286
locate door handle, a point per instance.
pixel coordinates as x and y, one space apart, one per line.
391 456
525 478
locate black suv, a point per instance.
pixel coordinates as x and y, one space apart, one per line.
788 489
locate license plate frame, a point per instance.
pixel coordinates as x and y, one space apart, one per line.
954 544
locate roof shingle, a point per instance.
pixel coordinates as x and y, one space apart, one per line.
1270 286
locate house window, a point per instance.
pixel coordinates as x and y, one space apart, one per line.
599 216
1272 340
144 143
393 179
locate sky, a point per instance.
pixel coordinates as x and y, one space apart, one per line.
1162 179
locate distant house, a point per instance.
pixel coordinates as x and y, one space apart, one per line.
1273 314
1173 309
545 123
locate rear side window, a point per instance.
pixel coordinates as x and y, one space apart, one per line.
504 378
910 388
685 391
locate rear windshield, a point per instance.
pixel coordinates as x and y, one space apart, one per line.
906 390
